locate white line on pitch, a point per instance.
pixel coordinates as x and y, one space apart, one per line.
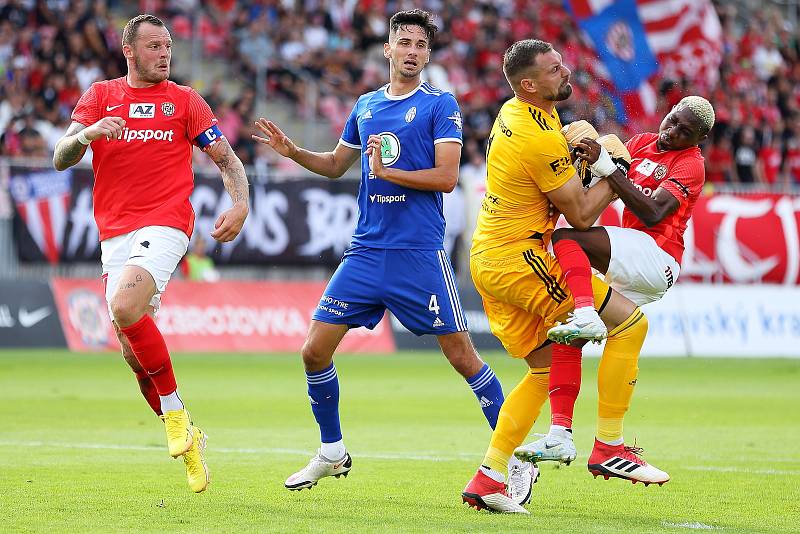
689 524
423 456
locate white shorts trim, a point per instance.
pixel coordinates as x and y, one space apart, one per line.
165 248
639 269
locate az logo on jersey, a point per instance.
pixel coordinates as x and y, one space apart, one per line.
142 111
390 148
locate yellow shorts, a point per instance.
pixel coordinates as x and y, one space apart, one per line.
524 293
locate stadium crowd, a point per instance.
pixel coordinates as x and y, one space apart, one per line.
51 51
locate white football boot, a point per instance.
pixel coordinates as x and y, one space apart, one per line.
552 447
583 323
521 478
319 467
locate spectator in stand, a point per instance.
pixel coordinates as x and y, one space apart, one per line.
745 156
719 162
769 162
50 52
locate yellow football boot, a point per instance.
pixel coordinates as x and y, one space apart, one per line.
179 431
196 469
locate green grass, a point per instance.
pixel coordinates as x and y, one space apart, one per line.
80 452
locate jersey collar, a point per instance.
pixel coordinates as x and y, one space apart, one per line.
401 97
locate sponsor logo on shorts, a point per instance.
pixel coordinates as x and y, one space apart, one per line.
333 306
670 277
387 199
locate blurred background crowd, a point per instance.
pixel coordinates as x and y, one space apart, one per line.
314 57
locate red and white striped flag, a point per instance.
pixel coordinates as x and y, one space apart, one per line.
42 201
686 37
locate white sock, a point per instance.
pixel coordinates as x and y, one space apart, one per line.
497 476
585 312
614 443
333 451
560 432
171 402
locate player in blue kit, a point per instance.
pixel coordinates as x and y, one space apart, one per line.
408 137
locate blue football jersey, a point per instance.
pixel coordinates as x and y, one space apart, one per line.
392 216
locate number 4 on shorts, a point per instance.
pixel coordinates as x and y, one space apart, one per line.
433 305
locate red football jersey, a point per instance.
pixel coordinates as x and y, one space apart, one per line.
680 172
145 178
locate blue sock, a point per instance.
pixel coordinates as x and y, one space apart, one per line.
487 388
323 392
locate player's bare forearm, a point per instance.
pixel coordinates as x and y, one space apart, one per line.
596 199
649 210
322 163
230 222
69 151
329 164
233 175
435 179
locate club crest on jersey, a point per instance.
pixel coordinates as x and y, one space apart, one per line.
390 148
660 173
168 109
142 111
456 118
411 114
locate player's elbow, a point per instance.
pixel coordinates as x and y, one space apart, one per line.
449 183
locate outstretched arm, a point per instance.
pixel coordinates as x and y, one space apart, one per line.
649 210
72 146
442 177
330 164
230 222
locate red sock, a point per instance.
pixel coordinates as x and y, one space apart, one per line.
149 347
149 391
565 383
577 271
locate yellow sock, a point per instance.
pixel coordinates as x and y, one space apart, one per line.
617 375
517 415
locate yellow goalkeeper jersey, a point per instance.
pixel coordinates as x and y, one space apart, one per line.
526 157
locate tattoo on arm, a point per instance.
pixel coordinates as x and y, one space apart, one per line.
233 175
69 150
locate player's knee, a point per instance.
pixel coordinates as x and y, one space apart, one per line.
313 358
563 233
125 311
465 361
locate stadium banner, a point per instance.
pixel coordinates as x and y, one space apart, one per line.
226 316
28 316
297 222
738 238
722 320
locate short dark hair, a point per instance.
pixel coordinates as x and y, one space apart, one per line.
414 17
132 27
521 56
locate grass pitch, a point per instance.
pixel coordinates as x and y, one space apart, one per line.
81 452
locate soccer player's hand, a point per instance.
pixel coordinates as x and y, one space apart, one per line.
587 150
230 222
275 138
618 150
108 127
374 153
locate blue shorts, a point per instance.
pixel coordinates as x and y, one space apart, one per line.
417 286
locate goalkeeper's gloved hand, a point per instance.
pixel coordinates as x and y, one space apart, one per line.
575 131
